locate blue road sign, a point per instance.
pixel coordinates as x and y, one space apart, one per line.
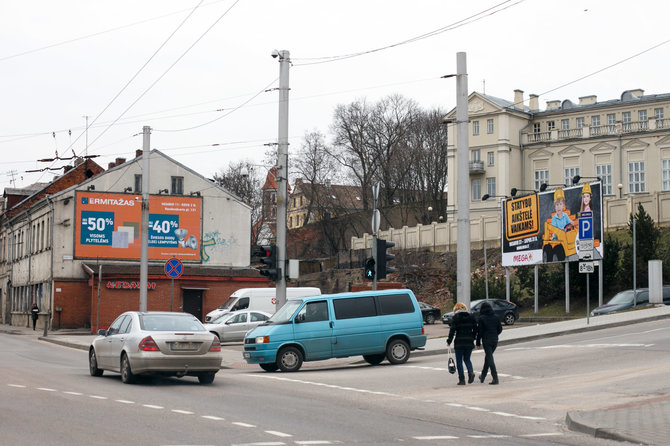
174 268
586 228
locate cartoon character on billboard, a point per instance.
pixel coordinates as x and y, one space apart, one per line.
559 235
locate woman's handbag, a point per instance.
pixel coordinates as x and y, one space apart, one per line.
451 363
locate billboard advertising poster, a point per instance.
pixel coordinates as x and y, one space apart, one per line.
107 226
545 227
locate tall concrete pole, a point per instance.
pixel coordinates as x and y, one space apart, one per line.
282 172
463 183
144 231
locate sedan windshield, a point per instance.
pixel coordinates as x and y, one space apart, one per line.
286 312
624 297
170 322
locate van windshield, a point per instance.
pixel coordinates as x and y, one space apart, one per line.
227 304
286 312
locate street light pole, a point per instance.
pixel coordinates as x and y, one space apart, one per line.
282 169
144 247
462 185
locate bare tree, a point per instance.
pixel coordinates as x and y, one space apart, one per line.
246 184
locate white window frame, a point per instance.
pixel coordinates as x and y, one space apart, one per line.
491 158
491 186
604 172
611 122
658 114
642 118
595 125
489 126
541 177
569 173
626 118
665 174
476 190
565 128
475 128
636 177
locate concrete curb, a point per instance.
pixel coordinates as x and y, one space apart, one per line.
572 422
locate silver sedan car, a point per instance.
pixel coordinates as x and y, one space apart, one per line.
156 343
233 326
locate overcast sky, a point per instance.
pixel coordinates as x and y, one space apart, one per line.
197 71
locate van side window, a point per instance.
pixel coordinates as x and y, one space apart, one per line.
241 304
396 304
314 312
356 307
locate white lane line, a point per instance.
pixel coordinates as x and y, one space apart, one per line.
488 436
239 423
18 386
306 442
262 443
212 417
436 437
73 393
572 346
504 414
183 412
152 406
98 397
46 389
278 434
125 401
548 434
478 409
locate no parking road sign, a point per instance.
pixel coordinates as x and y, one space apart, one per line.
173 268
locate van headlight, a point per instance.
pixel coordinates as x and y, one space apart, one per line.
262 339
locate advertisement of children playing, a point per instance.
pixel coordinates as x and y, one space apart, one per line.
545 227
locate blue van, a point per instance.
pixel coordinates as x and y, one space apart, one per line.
376 324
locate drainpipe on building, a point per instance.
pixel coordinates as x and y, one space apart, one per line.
51 264
30 263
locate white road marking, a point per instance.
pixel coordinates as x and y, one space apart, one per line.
547 434
488 436
46 389
98 397
239 423
278 434
442 369
562 346
125 401
314 442
436 437
152 406
73 393
19 386
263 443
184 412
212 417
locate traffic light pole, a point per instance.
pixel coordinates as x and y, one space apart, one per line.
144 233
282 180
462 183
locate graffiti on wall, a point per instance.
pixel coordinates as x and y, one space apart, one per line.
212 242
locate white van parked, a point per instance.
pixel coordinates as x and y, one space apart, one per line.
260 299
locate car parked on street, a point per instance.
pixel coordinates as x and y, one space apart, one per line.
156 343
507 312
233 326
627 299
429 312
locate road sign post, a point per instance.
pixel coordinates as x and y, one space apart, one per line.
173 269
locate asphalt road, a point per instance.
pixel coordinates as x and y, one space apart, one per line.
49 397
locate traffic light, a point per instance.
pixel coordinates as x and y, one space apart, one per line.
383 258
270 260
370 268
257 254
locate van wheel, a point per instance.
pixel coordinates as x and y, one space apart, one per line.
289 359
397 352
269 366
374 359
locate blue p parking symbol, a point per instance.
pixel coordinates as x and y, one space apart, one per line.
586 228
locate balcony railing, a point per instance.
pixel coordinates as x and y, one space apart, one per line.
599 130
476 167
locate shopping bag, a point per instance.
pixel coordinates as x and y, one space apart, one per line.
451 364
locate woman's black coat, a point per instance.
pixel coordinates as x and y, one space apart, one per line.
464 327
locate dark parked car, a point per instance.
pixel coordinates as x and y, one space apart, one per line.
430 313
624 300
507 312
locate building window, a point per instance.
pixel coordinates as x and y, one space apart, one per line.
665 174
290 222
177 185
273 197
565 128
138 184
476 155
604 172
491 186
476 190
551 125
579 122
570 173
595 125
658 114
489 126
541 177
491 156
611 122
636 177
475 127
626 118
642 117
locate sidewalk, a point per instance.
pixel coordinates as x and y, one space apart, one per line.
646 422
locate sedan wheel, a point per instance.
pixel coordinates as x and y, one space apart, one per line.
397 351
509 319
289 359
127 376
430 319
93 364
206 378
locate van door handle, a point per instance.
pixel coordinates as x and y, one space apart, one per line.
331 324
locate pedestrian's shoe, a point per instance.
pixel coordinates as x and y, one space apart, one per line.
482 378
494 382
461 381
471 377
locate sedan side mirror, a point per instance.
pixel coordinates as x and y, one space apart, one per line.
102 332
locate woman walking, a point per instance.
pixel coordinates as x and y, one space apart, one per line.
464 328
487 334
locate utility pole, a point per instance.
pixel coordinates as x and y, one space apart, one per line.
144 248
462 184
282 172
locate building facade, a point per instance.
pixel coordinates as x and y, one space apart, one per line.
56 253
